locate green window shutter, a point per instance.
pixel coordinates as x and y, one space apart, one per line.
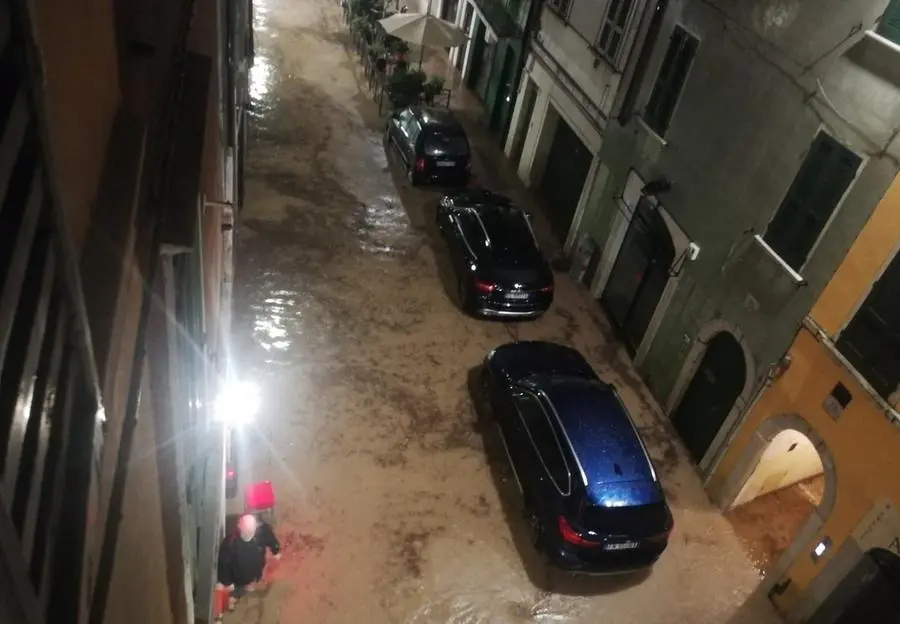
889 26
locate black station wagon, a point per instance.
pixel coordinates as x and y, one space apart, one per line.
591 494
499 268
432 145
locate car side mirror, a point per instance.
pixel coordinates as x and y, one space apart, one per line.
528 214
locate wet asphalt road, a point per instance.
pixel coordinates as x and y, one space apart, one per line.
394 502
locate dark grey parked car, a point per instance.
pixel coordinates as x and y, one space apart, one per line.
432 146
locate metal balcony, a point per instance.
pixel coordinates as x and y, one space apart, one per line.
50 429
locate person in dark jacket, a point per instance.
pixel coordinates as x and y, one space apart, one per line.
242 557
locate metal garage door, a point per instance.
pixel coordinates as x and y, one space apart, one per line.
563 179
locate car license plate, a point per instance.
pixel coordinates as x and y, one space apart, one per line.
621 546
446 163
516 295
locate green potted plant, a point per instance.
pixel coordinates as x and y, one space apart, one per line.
433 88
400 49
359 24
376 51
417 80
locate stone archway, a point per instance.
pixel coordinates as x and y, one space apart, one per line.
748 462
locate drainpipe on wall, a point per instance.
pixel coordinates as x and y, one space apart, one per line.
129 425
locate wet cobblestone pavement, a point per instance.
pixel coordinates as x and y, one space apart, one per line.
394 504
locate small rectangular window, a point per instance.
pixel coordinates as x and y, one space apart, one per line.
889 26
670 81
811 200
611 39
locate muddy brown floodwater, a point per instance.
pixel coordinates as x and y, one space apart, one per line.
393 502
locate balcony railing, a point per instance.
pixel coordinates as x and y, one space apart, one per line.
49 407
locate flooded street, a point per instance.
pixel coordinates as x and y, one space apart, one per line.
394 504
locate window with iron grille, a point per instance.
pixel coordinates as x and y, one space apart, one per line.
670 81
560 6
612 38
889 26
871 341
811 200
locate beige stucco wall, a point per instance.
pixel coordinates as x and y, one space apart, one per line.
139 592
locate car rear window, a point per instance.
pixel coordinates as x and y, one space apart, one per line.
446 141
636 521
509 232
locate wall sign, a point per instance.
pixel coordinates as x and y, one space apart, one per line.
880 528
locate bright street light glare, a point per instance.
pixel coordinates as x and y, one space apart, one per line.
237 403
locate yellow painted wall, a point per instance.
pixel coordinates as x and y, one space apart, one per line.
862 442
868 256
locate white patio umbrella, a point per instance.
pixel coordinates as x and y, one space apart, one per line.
424 30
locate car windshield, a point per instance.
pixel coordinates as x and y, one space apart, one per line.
446 141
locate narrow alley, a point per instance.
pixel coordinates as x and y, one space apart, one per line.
393 502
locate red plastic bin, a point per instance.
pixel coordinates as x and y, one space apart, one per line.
259 497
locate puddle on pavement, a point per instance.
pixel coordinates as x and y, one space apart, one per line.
392 504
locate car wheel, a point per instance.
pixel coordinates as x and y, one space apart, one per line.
465 297
535 529
412 177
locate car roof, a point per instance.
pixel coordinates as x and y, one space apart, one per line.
479 199
435 117
603 439
527 358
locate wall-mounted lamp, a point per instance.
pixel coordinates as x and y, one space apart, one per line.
820 548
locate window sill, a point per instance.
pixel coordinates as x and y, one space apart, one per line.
877 54
650 131
600 57
798 279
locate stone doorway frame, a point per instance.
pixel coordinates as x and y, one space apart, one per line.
689 369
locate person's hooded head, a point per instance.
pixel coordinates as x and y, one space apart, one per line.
247 527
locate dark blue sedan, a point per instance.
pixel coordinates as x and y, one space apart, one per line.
591 494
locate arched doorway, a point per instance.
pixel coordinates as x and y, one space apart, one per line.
640 274
716 385
778 497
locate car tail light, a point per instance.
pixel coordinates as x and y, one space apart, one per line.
547 289
485 287
662 538
569 535
420 165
